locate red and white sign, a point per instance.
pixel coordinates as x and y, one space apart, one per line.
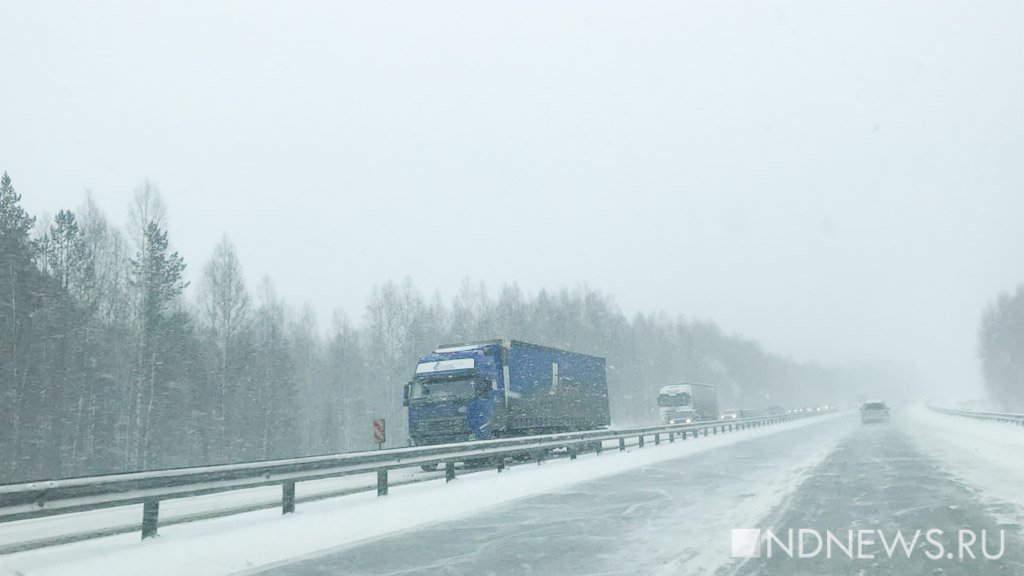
379 435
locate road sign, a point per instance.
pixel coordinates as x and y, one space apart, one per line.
379 435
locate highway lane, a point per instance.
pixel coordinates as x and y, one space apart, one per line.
670 518
879 480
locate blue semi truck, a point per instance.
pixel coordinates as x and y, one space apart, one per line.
503 388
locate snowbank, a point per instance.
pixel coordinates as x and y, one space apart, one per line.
988 456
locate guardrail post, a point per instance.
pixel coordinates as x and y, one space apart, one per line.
622 444
572 452
705 431
671 437
150 518
657 438
598 447
449 471
382 482
640 443
288 497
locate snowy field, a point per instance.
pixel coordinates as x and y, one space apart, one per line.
258 539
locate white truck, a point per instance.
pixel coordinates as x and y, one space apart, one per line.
685 403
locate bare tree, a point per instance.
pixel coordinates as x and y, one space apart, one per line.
224 306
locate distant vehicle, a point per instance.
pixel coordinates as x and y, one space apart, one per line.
874 411
685 403
504 388
776 411
734 413
811 409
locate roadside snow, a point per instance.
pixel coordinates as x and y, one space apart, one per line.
226 545
987 456
68 527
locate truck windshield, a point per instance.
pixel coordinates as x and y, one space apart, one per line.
443 389
666 400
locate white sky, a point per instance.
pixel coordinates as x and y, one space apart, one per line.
839 179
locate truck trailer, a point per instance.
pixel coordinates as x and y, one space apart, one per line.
685 403
504 388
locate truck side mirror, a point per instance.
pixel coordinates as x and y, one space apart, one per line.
405 394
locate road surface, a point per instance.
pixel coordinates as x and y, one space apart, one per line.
676 517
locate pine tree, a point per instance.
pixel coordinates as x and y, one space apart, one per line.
157 275
18 280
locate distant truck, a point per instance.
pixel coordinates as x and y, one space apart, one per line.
685 403
504 388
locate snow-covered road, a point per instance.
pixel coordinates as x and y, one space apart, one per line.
924 471
227 545
665 510
668 517
884 481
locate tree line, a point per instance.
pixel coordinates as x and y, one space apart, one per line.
1001 349
110 361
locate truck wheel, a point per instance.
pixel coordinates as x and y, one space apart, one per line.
429 467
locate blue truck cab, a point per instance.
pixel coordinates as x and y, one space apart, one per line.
504 388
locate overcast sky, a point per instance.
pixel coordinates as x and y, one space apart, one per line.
842 180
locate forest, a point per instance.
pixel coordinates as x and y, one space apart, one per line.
1001 350
116 354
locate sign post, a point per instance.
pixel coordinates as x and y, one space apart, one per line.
379 432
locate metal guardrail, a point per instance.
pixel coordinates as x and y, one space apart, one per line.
52 497
1007 417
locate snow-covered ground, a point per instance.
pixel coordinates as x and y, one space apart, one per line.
69 527
246 541
987 456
